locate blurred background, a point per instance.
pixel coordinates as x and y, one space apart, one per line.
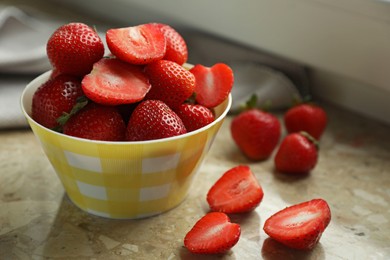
338 51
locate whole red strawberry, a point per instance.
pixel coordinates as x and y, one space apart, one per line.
256 133
96 122
74 48
212 234
171 83
194 116
153 119
297 153
236 191
306 117
213 84
299 226
176 46
55 97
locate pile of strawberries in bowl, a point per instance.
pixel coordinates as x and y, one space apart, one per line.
143 90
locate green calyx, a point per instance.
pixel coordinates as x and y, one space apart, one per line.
81 102
310 138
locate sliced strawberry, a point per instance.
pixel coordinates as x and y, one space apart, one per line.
212 234
213 85
114 82
299 226
176 46
194 116
236 191
139 44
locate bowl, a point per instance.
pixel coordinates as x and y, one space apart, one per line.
124 180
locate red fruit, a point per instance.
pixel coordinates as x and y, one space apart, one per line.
153 119
306 117
212 234
114 82
194 116
299 226
74 48
96 122
55 97
256 133
213 85
176 46
171 83
297 153
236 191
139 44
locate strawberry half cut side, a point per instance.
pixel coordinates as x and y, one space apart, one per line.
213 84
113 82
236 191
212 234
139 44
299 226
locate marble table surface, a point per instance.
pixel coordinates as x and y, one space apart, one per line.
37 220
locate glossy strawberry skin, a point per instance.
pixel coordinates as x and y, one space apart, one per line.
55 97
153 119
171 83
176 48
296 154
96 122
256 133
306 117
114 82
299 226
213 84
236 191
194 116
212 234
141 44
73 48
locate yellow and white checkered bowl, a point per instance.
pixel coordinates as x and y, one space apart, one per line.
124 180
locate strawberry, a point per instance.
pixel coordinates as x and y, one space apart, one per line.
306 117
153 119
73 48
213 85
236 191
297 153
176 49
96 122
114 82
194 116
299 226
256 133
139 44
171 83
212 234
55 97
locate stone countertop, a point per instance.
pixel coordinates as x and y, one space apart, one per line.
37 220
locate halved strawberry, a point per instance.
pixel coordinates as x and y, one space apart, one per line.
299 226
212 234
114 82
236 191
176 46
213 85
139 44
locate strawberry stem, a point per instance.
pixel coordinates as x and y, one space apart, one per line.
311 139
81 102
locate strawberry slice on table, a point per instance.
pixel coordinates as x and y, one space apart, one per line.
236 191
176 49
114 82
153 119
171 83
299 226
212 234
96 122
140 44
194 116
213 84
73 48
